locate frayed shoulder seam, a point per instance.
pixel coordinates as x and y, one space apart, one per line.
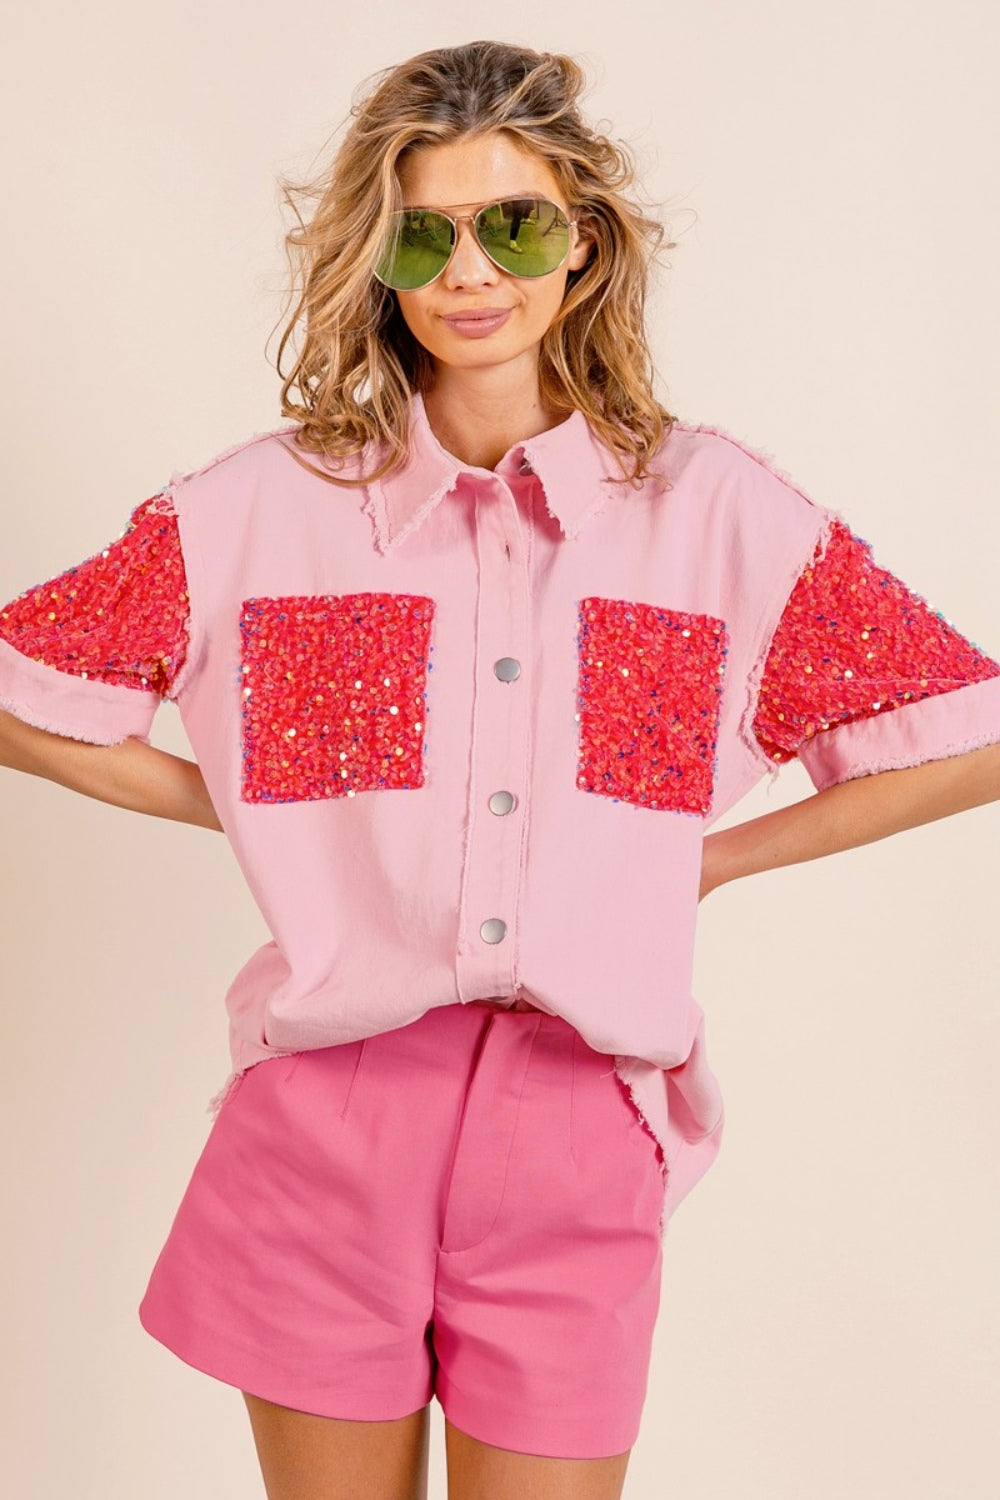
182 476
760 456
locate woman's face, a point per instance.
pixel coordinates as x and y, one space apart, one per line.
460 178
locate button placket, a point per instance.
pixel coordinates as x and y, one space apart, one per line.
486 952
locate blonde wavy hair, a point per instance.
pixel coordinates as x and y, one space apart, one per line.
358 364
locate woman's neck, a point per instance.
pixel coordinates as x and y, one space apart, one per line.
480 426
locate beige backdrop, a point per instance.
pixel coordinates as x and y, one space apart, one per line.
830 1320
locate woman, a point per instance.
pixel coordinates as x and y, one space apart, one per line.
470 656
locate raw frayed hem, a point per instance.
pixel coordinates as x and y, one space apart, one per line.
375 508
759 455
571 530
181 476
225 1093
661 1148
30 716
916 758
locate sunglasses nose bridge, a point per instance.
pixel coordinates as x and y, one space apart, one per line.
469 235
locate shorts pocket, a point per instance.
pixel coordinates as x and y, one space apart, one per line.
333 694
602 1115
649 692
638 1132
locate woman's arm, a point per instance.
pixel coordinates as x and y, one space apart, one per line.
132 774
852 813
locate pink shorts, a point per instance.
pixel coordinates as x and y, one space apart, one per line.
467 1207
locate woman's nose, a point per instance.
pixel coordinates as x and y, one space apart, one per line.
469 263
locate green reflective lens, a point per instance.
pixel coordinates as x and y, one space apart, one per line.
417 248
525 236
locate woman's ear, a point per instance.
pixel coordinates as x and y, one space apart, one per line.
582 248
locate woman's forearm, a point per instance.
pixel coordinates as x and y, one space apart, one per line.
132 775
852 813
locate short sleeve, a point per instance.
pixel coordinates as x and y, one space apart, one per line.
92 652
862 675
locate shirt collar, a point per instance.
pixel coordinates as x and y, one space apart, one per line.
575 470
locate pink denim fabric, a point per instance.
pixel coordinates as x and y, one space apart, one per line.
416 894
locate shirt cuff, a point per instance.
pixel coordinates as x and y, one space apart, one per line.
965 718
81 708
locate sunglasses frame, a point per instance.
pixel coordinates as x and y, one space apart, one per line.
456 219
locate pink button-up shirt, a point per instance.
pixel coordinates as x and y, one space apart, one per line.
465 728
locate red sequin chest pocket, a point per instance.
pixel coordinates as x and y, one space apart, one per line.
649 696
333 694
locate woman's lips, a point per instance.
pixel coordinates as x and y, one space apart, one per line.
477 325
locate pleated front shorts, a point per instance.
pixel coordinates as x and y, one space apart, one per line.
467 1207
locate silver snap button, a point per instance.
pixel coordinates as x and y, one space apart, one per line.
507 669
493 930
501 802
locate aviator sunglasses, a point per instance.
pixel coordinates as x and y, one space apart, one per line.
525 236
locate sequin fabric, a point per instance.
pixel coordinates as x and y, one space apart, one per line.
853 642
649 692
120 617
333 694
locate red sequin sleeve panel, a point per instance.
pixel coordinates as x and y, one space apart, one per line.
862 675
92 653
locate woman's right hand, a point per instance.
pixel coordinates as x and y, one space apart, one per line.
132 774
